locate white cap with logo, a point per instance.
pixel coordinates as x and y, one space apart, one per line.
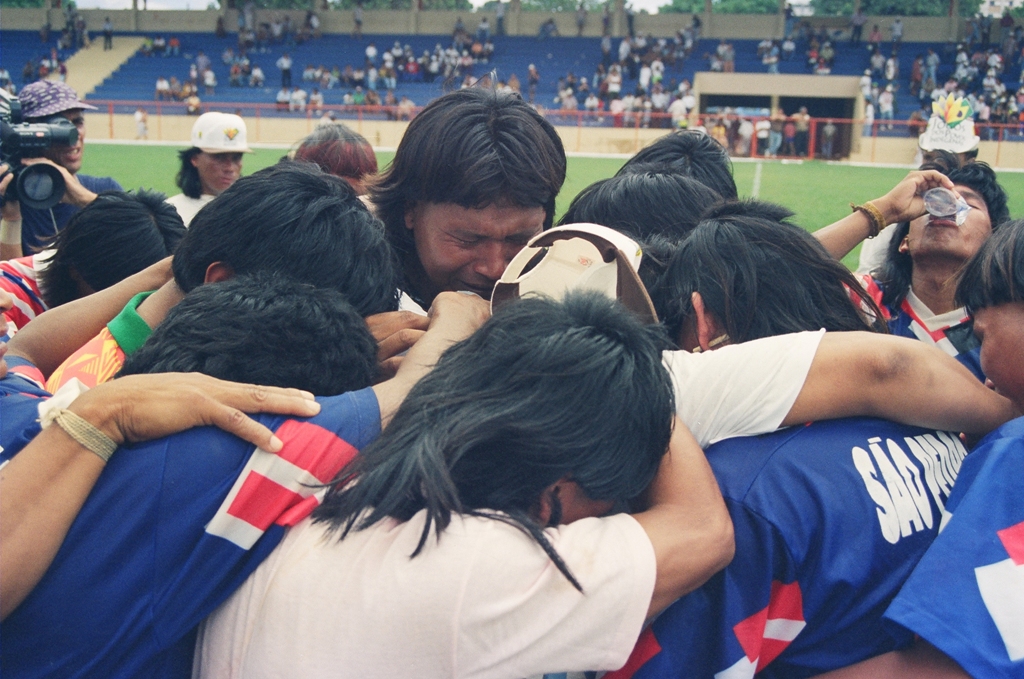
220 133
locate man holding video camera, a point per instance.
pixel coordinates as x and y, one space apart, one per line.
25 229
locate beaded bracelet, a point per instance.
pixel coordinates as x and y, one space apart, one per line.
874 216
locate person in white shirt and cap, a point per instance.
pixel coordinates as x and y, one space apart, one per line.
212 164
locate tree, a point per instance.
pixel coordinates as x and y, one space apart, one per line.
912 8
684 7
969 8
723 6
560 5
21 3
832 7
746 7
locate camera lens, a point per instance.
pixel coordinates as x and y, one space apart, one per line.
40 186
37 186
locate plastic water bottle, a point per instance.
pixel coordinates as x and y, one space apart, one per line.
942 202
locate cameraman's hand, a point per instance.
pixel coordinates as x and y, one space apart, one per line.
74 193
11 210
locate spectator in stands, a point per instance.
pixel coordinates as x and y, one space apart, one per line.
474 177
802 122
212 164
548 29
316 100
357 20
828 137
174 46
897 32
886 104
112 238
31 226
163 89
108 34
875 37
406 109
256 78
857 21
284 64
283 98
141 120
789 138
210 81
581 19
340 151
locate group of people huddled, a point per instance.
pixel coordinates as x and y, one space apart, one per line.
668 435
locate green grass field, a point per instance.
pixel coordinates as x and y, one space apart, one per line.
818 193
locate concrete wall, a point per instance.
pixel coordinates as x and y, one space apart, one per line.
737 26
380 133
765 84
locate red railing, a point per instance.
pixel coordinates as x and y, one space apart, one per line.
804 146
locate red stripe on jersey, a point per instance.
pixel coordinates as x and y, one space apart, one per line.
936 335
766 634
874 292
260 501
1013 540
30 373
314 449
750 633
646 648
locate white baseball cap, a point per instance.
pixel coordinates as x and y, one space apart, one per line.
220 133
577 257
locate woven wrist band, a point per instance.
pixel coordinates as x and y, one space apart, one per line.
86 434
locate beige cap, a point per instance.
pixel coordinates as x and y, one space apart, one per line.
220 133
577 257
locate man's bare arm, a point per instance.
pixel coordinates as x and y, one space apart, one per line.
899 379
901 204
920 661
43 487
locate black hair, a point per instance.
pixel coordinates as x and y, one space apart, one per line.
117 235
995 274
651 202
293 219
188 174
760 276
473 147
263 329
691 153
896 272
512 410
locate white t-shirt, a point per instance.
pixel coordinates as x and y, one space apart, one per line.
743 389
873 251
188 207
483 602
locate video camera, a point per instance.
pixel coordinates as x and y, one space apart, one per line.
37 186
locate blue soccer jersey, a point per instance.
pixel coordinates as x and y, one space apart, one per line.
830 519
171 529
951 332
966 596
